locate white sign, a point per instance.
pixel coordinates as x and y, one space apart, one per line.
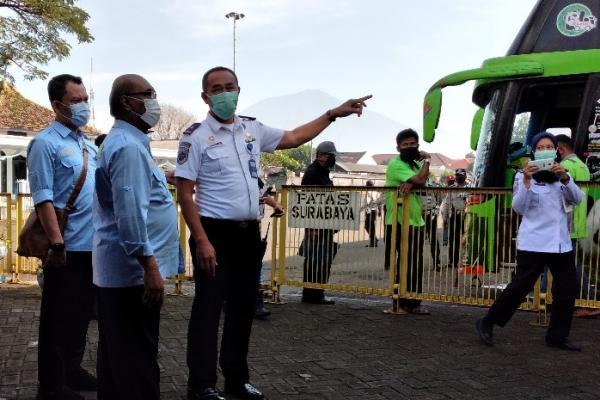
324 210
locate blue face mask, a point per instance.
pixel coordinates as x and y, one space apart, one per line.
80 114
545 154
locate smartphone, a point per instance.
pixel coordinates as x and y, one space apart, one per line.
543 165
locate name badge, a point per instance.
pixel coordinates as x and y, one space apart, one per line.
252 168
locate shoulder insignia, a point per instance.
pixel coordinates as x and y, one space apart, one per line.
192 128
245 118
183 152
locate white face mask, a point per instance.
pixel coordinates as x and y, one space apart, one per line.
152 114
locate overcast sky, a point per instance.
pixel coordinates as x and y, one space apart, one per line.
392 49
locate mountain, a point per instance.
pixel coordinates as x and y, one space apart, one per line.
372 132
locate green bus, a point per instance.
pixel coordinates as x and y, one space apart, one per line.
549 80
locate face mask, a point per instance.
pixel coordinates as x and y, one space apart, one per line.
80 113
152 114
224 104
461 180
545 154
331 161
410 154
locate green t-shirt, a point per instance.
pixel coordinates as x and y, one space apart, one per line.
397 173
580 173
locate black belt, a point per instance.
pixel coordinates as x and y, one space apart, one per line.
230 222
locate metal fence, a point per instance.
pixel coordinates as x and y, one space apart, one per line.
463 252
337 238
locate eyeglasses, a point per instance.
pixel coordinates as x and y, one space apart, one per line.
149 94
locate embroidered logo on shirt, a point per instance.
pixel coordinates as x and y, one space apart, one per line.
183 152
67 152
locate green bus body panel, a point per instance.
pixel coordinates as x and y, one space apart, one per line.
543 65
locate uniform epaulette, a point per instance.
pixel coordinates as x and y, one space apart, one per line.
192 128
245 118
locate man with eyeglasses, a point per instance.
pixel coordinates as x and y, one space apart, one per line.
55 160
135 245
219 158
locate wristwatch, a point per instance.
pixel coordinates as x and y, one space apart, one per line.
57 247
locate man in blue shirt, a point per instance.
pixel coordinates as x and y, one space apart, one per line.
135 245
55 161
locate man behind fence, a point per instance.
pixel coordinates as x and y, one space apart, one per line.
55 161
454 214
318 247
219 159
136 245
409 170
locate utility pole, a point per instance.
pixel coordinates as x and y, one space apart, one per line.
235 16
92 92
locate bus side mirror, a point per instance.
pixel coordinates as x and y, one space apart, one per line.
432 108
476 127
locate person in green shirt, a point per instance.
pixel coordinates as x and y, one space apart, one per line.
580 173
407 171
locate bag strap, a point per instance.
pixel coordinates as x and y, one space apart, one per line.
267 233
80 181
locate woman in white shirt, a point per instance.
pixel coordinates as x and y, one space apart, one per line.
542 198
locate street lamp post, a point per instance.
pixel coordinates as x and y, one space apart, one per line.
235 16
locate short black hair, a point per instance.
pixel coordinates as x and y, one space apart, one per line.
565 140
406 134
57 86
216 69
99 139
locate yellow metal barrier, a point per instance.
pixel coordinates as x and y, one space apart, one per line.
472 267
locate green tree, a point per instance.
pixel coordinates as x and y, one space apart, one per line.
32 33
281 158
291 159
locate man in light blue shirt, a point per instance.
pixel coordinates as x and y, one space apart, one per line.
55 160
136 245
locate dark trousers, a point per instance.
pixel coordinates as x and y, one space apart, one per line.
237 248
370 224
67 303
315 272
128 345
431 221
456 224
529 267
416 240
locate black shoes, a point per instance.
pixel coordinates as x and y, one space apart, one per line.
320 300
260 311
82 380
562 345
60 393
244 392
485 331
204 394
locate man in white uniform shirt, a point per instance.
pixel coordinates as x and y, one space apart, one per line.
219 159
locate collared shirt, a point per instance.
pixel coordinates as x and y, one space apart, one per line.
223 160
454 202
580 173
397 173
54 163
134 212
544 227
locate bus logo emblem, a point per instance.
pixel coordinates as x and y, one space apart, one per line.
575 20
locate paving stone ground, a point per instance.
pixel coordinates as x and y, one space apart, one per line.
350 350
